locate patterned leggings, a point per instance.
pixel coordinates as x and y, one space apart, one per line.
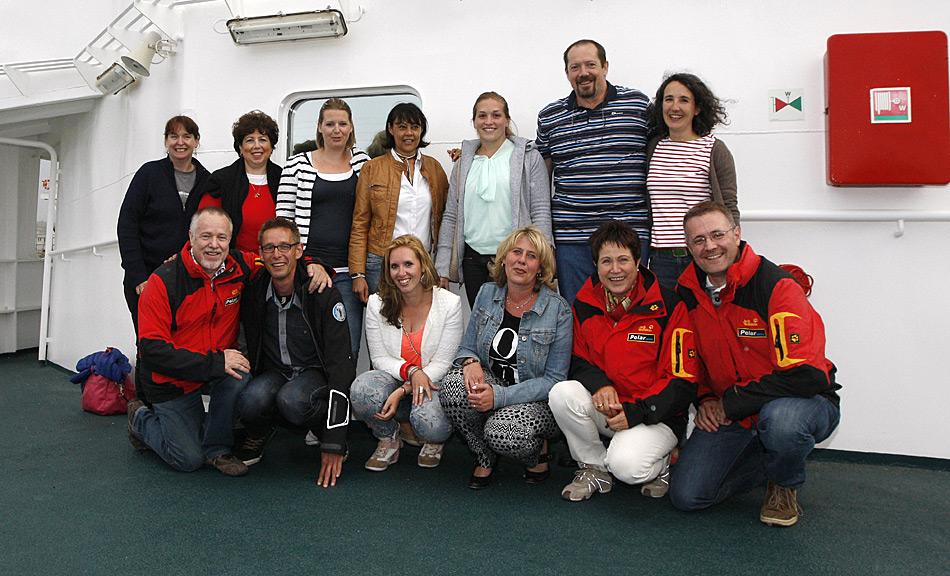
517 431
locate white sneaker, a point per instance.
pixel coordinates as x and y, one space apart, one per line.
386 454
431 455
587 481
659 486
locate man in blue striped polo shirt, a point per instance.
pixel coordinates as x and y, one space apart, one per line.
594 142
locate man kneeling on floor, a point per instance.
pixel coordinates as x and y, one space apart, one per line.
769 392
634 370
299 346
188 328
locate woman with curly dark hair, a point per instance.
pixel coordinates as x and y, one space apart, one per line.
247 189
688 165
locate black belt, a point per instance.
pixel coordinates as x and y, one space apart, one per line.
678 251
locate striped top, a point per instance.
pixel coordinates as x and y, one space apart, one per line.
599 162
678 180
295 192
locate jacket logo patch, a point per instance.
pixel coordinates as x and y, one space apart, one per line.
645 328
751 333
654 307
635 337
691 353
794 338
339 312
750 323
232 300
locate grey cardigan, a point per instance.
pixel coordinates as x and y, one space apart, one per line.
722 175
530 198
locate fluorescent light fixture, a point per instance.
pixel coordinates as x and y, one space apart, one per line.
114 79
280 27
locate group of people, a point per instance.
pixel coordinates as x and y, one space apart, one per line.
609 286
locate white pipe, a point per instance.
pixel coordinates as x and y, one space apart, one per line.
845 215
50 228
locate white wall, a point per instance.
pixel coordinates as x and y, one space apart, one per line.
874 291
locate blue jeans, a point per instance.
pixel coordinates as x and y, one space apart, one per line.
179 431
374 268
370 391
301 400
354 311
716 465
575 265
667 267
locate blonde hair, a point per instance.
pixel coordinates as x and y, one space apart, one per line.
545 255
336 104
492 95
388 292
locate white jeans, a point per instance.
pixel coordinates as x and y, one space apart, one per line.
635 456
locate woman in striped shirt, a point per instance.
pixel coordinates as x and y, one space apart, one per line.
317 191
688 165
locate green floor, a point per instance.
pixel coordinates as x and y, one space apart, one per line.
76 499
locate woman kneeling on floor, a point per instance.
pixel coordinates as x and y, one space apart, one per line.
516 346
413 329
633 372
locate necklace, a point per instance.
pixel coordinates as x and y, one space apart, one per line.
405 332
406 160
520 305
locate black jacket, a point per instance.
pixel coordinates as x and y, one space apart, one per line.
152 224
331 337
231 185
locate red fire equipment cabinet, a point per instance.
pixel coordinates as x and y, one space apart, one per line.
887 110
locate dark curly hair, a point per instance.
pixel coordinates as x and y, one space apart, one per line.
711 110
248 123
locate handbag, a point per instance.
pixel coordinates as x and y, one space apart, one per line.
103 396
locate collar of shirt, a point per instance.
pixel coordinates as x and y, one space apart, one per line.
399 159
217 272
611 94
272 295
714 291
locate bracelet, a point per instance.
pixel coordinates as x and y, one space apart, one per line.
412 370
471 360
406 389
357 275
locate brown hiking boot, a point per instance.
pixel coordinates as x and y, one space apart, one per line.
229 465
131 408
780 507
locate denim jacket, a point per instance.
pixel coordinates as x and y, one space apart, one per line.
548 326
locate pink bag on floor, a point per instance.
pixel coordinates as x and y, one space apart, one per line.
106 397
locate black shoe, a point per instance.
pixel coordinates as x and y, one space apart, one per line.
538 477
480 482
251 449
131 408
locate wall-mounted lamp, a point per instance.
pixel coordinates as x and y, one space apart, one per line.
280 27
114 79
140 59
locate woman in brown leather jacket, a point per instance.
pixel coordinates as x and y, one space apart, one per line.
400 192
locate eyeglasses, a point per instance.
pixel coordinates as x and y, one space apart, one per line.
282 248
715 236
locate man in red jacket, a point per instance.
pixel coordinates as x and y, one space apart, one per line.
768 394
188 327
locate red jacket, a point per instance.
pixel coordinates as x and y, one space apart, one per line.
649 357
764 341
186 320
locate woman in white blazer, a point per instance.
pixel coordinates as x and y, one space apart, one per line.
413 330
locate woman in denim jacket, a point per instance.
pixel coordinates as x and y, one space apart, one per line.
516 347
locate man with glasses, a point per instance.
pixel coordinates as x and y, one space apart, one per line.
593 142
299 350
188 331
768 392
